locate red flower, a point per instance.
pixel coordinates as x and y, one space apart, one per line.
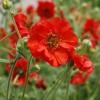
20 71
51 42
19 74
41 84
13 38
30 9
91 31
82 62
30 15
2 33
33 75
78 78
46 9
21 21
85 67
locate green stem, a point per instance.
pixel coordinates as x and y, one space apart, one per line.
55 86
10 77
6 37
68 76
27 75
18 33
4 60
7 50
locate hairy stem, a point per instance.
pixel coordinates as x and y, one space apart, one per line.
27 75
10 77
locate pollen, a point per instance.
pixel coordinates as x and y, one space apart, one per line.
52 41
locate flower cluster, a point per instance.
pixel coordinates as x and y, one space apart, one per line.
50 38
91 31
19 74
85 68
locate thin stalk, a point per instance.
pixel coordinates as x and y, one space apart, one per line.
27 75
7 36
10 77
7 50
68 76
4 60
18 33
55 86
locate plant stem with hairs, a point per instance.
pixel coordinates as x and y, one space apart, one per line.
10 77
27 75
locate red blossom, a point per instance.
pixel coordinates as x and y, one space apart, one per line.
20 71
21 21
19 74
13 38
51 42
41 84
91 31
7 68
85 67
46 9
30 9
34 75
82 62
2 33
78 78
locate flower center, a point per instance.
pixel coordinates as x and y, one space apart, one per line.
20 71
52 41
28 23
46 10
91 30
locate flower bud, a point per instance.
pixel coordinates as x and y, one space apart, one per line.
87 43
7 4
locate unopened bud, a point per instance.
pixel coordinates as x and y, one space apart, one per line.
87 42
7 4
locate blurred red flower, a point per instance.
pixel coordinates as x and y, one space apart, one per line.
85 67
78 78
13 38
19 74
46 9
92 31
52 40
2 33
40 83
21 21
30 9
82 62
